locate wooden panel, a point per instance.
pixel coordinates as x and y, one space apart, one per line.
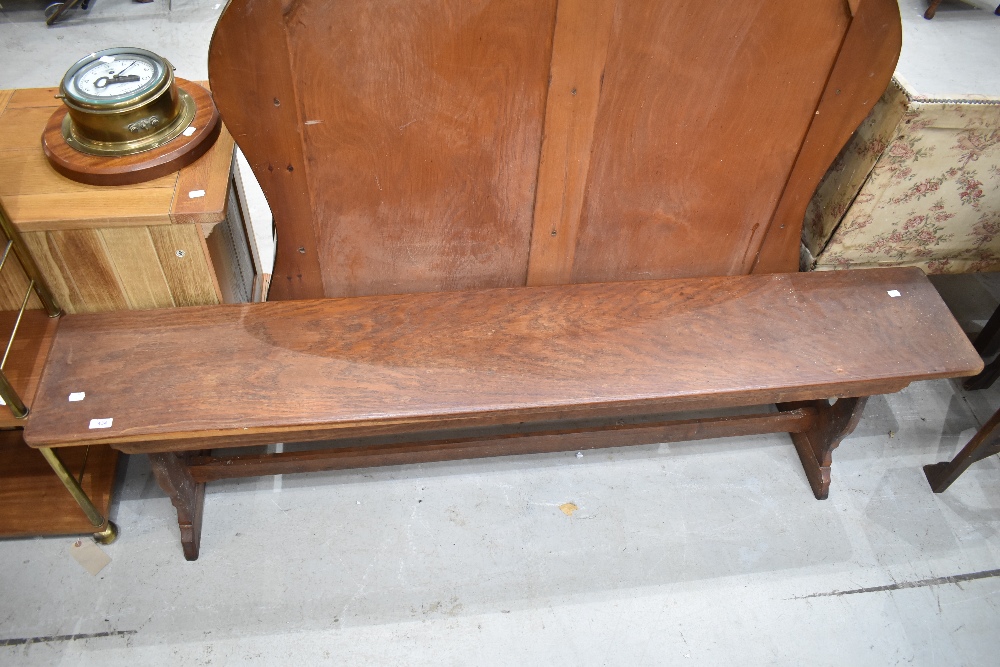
104 208
27 358
179 377
5 96
859 78
137 265
14 284
33 499
83 259
50 265
210 174
422 121
703 110
190 277
27 172
21 128
24 98
579 51
256 98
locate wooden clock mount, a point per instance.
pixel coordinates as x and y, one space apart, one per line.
126 119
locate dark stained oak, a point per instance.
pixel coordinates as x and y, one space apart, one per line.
196 377
447 145
187 496
430 158
370 452
985 443
815 445
140 167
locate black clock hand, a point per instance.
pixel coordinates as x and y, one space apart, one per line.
115 79
125 70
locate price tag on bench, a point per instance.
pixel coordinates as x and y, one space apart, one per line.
101 423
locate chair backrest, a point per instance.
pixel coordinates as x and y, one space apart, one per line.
424 145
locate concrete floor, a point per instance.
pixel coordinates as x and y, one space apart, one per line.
689 553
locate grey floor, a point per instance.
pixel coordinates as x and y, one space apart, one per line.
689 553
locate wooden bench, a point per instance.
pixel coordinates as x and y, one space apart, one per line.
519 226
428 377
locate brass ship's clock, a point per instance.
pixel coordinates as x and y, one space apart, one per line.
127 119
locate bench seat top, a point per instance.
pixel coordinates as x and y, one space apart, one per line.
189 378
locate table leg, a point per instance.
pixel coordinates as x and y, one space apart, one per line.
984 443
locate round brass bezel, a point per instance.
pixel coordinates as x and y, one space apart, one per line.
79 141
126 126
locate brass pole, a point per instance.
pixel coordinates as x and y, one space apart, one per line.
107 531
28 263
10 397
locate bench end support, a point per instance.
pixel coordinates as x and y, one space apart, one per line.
188 497
815 446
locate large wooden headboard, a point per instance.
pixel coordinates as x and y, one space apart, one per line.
422 145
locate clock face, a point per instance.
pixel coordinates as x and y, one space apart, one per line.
113 75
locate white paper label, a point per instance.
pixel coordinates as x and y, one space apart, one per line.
101 423
77 396
194 194
188 132
894 293
3 402
107 59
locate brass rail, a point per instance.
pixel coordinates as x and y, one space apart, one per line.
105 530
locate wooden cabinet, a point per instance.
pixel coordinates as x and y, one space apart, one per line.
179 240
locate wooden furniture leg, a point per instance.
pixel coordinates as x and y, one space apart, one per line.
815 446
987 344
929 14
986 442
188 497
986 378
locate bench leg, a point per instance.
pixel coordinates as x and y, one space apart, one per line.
188 497
986 442
815 446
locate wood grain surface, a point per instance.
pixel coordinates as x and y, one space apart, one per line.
27 357
426 146
192 378
421 124
94 244
40 199
576 79
266 122
704 107
858 79
34 501
542 440
140 167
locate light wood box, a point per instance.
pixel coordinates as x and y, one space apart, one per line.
149 245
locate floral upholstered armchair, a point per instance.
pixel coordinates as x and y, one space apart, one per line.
918 184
